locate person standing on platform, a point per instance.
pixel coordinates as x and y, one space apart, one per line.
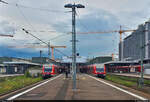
66 73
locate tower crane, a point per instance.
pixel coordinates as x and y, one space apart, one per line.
39 46
52 47
118 31
100 32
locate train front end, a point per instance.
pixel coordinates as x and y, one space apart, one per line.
47 71
100 70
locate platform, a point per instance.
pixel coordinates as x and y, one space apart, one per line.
88 88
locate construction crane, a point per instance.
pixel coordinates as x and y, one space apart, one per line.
6 35
39 46
118 31
52 47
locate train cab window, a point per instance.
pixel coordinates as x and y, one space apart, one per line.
47 69
100 69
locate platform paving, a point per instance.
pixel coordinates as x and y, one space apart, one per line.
87 89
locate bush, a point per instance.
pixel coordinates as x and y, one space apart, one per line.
27 74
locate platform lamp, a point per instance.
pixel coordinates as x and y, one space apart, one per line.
74 6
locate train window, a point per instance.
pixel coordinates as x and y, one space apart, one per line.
47 69
100 69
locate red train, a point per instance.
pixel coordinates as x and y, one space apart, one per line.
98 70
49 70
123 67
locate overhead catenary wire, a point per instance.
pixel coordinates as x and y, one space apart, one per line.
3 2
43 42
28 24
32 26
24 16
54 38
35 8
34 36
61 52
41 9
85 27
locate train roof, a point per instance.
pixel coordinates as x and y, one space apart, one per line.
111 62
47 64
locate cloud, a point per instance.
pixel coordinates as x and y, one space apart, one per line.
6 28
125 10
50 15
99 20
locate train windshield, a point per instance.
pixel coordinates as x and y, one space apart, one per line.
47 69
100 69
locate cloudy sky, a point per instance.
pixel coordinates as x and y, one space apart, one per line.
50 21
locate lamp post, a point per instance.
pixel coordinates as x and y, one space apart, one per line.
144 46
74 6
141 80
